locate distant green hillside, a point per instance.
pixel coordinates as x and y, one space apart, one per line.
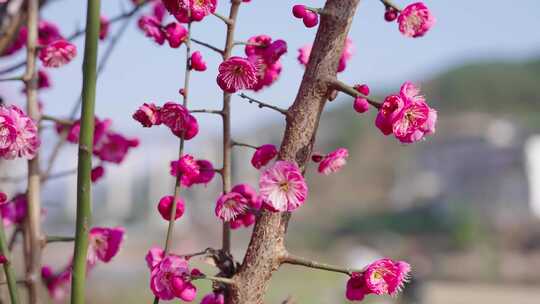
512 87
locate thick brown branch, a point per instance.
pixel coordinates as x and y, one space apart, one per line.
267 243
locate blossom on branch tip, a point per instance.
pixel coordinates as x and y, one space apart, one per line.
310 19
158 10
104 244
299 11
152 28
176 34
169 279
406 115
197 62
186 167
154 256
57 53
282 187
263 155
236 73
415 20
333 161
113 147
186 11
248 217
14 211
213 298
148 115
179 120
230 205
58 285
103 27
97 173
18 134
264 55
206 172
165 207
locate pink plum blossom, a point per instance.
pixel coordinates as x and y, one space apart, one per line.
299 11
97 173
14 211
48 32
58 285
390 14
103 27
168 279
165 207
334 161
190 10
310 19
179 120
406 115
385 276
159 10
197 62
176 34
3 198
114 147
3 259
206 173
148 115
263 155
186 167
152 28
247 218
236 73
230 205
213 298
154 256
415 20
57 53
18 134
104 244
282 186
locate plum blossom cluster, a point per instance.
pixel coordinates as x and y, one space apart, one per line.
192 171
240 206
186 11
13 212
109 146
18 134
414 21
308 16
406 115
170 276
348 51
104 245
152 25
383 276
173 115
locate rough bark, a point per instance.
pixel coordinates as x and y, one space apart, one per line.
267 245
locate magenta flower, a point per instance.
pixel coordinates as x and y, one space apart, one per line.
3 198
48 32
104 244
57 53
3 259
154 256
197 62
257 45
415 20
17 44
176 34
264 55
304 53
263 155
275 50
299 11
235 74
206 173
190 10
152 28
407 115
247 218
230 205
165 207
186 167
334 161
103 27
44 81
148 115
213 298
97 173
179 120
385 276
18 134
168 279
58 285
113 147
282 187
310 19
159 10
14 211
361 105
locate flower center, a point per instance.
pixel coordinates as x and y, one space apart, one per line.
284 186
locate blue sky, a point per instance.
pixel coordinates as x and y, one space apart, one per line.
141 71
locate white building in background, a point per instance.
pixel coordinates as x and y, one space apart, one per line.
532 156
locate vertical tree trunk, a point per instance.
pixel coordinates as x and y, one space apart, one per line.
267 244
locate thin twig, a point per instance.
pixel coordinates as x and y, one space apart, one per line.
229 21
59 239
262 104
207 45
8 268
214 279
239 144
295 260
17 78
388 3
218 112
61 121
343 87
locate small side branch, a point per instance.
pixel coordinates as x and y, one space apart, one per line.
59 239
227 21
223 280
217 112
17 78
263 104
343 87
11 281
239 144
207 45
61 121
295 260
388 3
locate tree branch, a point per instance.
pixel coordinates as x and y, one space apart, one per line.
239 144
262 104
209 46
389 3
295 260
8 268
342 87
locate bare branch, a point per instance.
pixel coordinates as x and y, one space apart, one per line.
262 104
207 45
295 260
389 3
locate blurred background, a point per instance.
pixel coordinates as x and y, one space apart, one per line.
462 207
